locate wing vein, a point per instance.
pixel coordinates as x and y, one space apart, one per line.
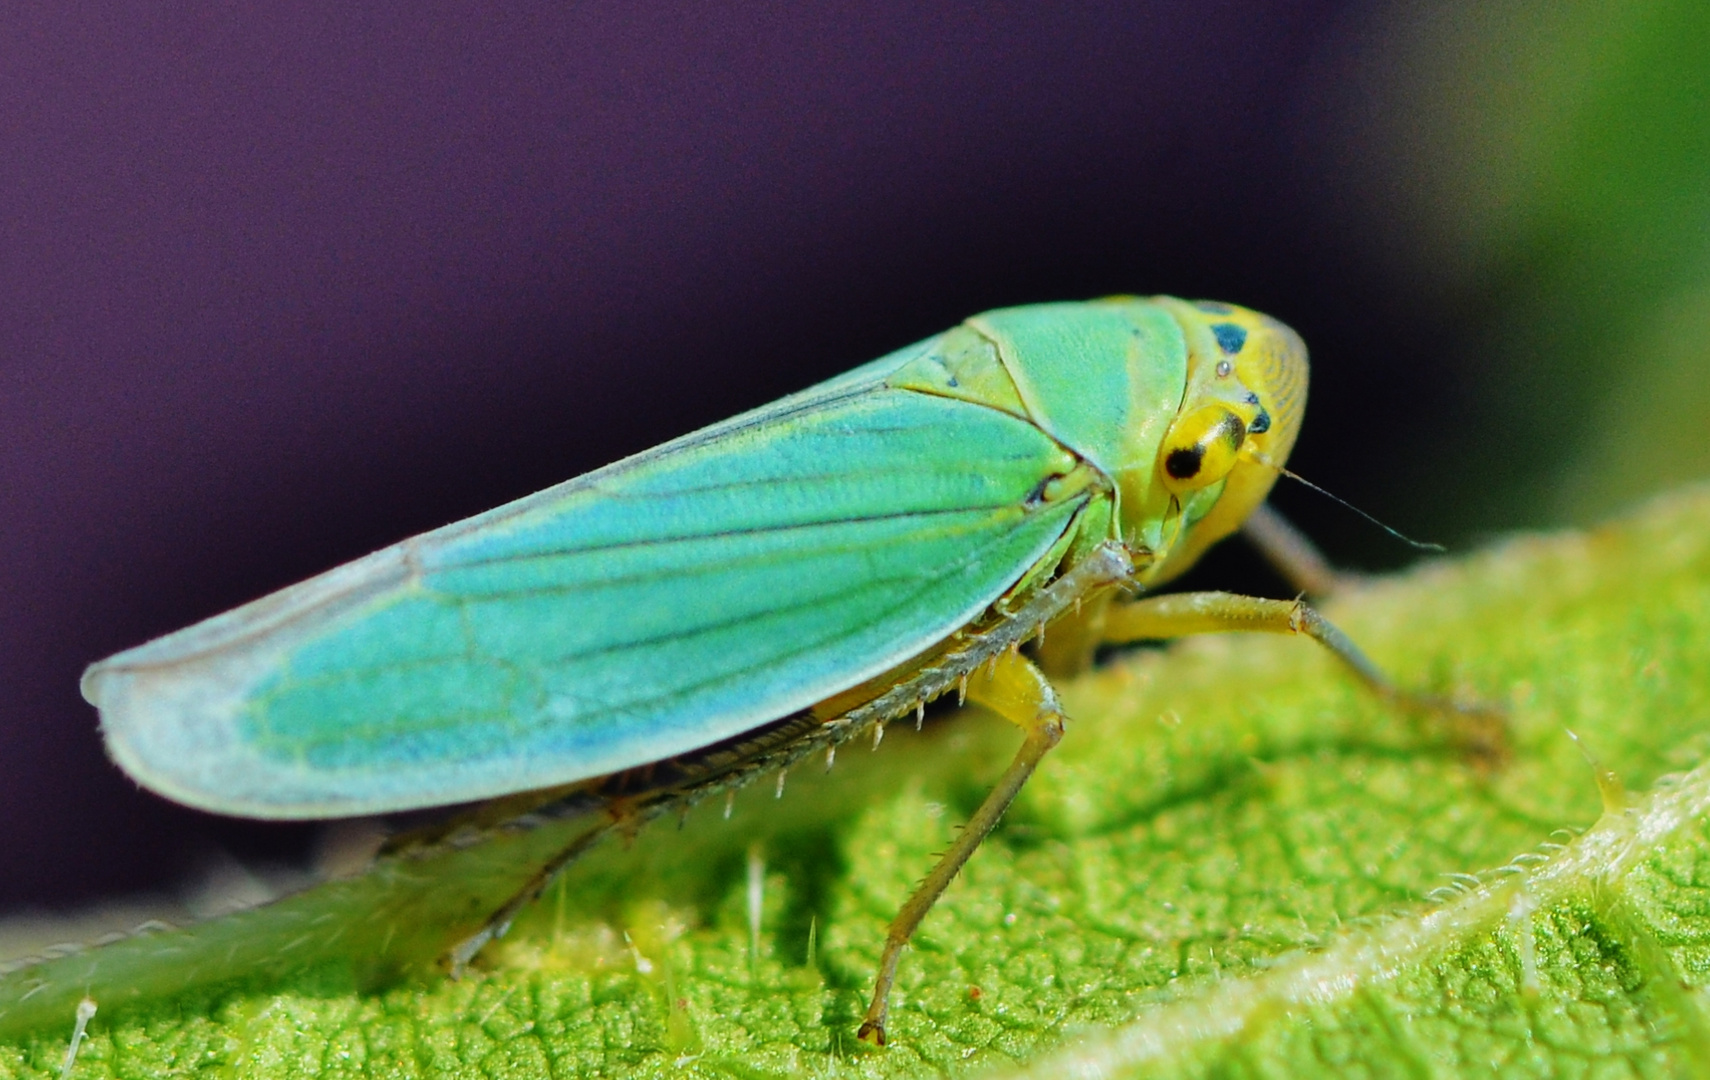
717 534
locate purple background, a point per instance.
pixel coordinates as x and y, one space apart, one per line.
280 287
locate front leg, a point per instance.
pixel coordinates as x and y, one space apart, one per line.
1292 554
1480 729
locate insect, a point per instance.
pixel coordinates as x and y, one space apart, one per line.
818 567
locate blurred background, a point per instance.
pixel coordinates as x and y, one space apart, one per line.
280 285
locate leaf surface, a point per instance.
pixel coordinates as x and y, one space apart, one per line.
1236 865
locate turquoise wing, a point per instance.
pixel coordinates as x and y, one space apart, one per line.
664 603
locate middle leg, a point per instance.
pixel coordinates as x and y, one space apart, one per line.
1015 689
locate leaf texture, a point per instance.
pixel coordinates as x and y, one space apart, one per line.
1236 865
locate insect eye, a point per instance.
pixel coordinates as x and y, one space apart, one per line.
1200 448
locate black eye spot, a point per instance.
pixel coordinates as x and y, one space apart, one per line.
1230 337
1184 463
1261 423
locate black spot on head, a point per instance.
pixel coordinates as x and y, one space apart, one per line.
1230 337
1184 463
1261 423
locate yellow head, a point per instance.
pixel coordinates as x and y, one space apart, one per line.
1245 396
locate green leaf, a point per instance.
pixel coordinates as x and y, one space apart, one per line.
1237 864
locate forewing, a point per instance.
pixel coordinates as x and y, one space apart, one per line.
653 607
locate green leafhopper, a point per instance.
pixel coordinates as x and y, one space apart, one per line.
813 569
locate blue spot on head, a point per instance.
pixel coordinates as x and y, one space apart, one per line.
1229 336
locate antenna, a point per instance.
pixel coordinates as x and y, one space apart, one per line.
1417 545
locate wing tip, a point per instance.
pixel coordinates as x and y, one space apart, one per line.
90 685
178 738
215 781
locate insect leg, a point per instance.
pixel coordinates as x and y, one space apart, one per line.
1016 690
1291 553
1480 729
1074 638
